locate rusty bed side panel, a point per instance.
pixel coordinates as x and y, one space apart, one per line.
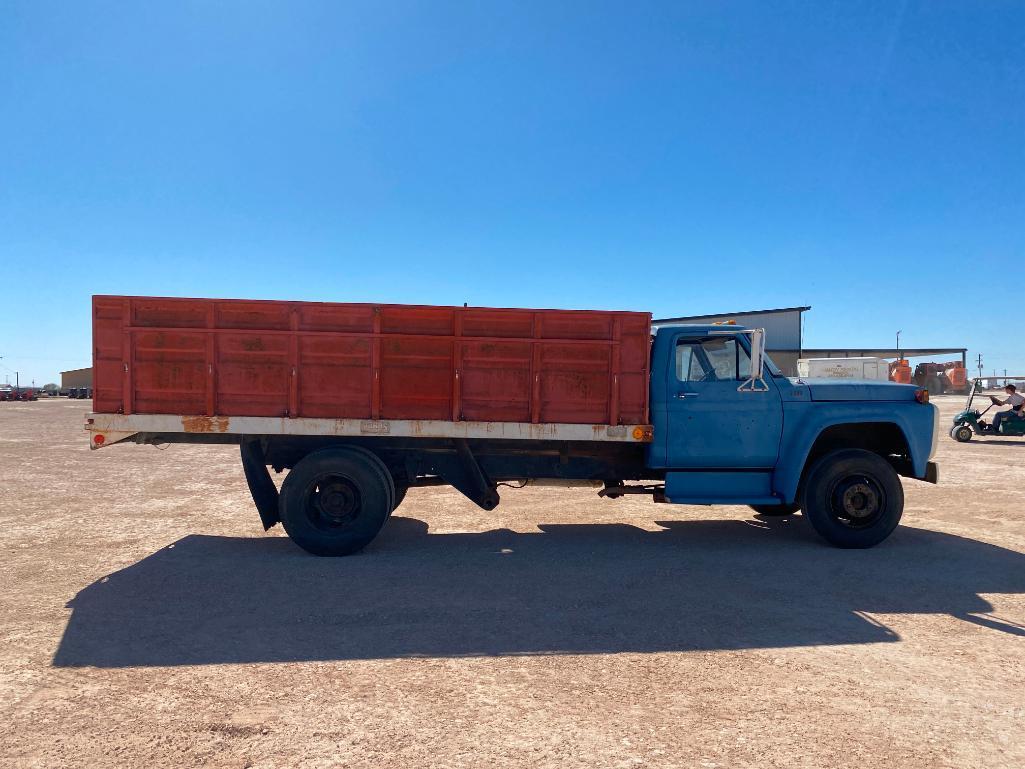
361 361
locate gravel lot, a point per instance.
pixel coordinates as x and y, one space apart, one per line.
147 620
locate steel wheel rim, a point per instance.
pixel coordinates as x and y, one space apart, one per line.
856 501
332 502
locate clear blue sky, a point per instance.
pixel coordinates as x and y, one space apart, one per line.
866 158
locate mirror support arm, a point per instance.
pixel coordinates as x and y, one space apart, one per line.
756 382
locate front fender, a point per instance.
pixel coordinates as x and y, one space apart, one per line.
803 423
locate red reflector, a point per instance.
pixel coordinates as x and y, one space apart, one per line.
922 396
98 439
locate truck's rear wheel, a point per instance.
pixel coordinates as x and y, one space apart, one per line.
776 511
853 498
335 501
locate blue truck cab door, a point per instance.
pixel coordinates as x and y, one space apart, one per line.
711 425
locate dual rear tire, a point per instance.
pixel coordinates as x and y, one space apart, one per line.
335 501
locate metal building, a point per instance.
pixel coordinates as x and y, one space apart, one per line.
79 377
783 330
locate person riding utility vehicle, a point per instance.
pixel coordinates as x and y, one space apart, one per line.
1014 400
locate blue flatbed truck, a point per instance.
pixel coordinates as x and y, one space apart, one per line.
726 428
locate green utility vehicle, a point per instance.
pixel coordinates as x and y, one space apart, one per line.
969 421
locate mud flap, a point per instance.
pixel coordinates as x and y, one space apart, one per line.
465 475
265 493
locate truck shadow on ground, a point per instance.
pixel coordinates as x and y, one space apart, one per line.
566 589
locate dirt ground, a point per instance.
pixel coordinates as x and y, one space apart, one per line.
147 620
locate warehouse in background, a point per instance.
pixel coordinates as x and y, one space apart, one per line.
79 377
785 344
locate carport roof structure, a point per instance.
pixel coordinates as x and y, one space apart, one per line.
882 352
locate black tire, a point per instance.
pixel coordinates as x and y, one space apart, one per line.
335 501
961 433
853 498
379 465
776 511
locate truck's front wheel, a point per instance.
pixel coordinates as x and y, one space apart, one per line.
335 501
853 498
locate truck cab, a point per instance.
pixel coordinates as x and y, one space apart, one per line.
723 434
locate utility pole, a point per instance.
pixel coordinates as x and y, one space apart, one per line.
8 378
980 365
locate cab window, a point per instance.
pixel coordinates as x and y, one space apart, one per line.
691 365
713 359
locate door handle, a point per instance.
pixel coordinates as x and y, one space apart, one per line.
687 395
